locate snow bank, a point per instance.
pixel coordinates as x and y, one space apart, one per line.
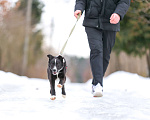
11 78
120 80
126 81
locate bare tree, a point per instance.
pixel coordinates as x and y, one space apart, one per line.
27 34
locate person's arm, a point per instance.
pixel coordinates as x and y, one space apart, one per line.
79 7
120 11
122 8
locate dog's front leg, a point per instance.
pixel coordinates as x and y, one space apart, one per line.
61 85
61 82
63 92
52 84
52 90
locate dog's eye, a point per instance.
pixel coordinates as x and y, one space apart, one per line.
52 65
58 65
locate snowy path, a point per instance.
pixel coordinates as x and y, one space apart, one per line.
24 98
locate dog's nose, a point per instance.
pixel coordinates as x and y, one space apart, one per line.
54 70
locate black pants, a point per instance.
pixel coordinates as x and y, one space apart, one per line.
101 43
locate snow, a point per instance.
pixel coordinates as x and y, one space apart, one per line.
126 97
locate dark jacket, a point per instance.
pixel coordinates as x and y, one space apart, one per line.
98 12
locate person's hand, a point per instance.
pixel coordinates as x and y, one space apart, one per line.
76 13
115 18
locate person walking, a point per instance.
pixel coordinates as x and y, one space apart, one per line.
102 21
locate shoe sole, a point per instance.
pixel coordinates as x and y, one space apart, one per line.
97 94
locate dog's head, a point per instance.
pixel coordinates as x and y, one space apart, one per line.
56 64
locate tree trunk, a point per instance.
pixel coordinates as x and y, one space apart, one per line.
148 61
117 63
27 34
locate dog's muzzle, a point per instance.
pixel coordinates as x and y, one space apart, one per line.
54 72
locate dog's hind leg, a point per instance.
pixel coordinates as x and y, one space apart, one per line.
63 92
53 97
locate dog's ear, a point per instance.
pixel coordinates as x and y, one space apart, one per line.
50 57
61 58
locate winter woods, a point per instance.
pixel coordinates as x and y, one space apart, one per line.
133 39
12 35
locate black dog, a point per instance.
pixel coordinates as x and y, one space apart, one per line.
56 69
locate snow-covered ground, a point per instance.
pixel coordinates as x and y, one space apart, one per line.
126 97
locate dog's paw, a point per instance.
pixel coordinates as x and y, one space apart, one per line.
64 96
53 97
59 85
